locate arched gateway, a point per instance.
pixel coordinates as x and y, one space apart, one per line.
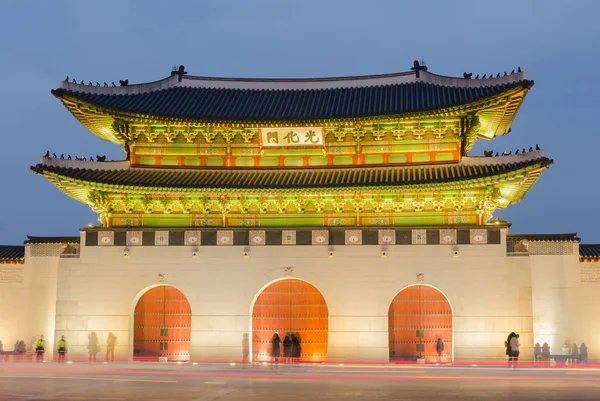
295 306
418 315
162 325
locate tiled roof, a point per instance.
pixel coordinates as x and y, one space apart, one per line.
12 252
51 240
571 237
589 251
253 105
289 178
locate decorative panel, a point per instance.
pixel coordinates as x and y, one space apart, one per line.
447 237
162 325
256 237
161 238
192 238
290 306
417 316
320 237
134 238
288 237
224 237
478 236
387 237
419 237
353 237
106 238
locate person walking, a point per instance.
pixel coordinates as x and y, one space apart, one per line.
287 348
276 351
40 348
110 346
514 344
439 348
62 349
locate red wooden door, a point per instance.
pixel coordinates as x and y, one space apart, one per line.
162 325
423 308
290 306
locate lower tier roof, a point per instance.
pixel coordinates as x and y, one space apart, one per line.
179 179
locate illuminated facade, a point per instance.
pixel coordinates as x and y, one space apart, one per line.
347 210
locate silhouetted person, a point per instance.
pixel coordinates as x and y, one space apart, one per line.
92 346
110 346
574 354
537 353
62 349
276 348
439 348
296 347
545 352
287 347
583 353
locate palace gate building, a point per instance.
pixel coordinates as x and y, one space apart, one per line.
347 210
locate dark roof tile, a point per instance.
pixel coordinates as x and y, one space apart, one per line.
287 178
217 104
12 252
571 237
591 251
51 240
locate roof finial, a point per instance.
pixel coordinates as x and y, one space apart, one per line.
180 72
418 67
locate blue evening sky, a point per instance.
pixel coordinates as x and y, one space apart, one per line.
557 43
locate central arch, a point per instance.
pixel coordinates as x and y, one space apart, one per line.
417 316
290 305
162 325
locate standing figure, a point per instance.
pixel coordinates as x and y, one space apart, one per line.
62 349
92 346
513 357
537 353
583 354
245 348
110 346
545 352
507 345
439 348
276 351
574 354
21 348
296 347
40 348
287 347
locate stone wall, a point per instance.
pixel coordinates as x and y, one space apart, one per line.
490 293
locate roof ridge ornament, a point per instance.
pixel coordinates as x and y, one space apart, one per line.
180 72
418 67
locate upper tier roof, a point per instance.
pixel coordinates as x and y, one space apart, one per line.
292 100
